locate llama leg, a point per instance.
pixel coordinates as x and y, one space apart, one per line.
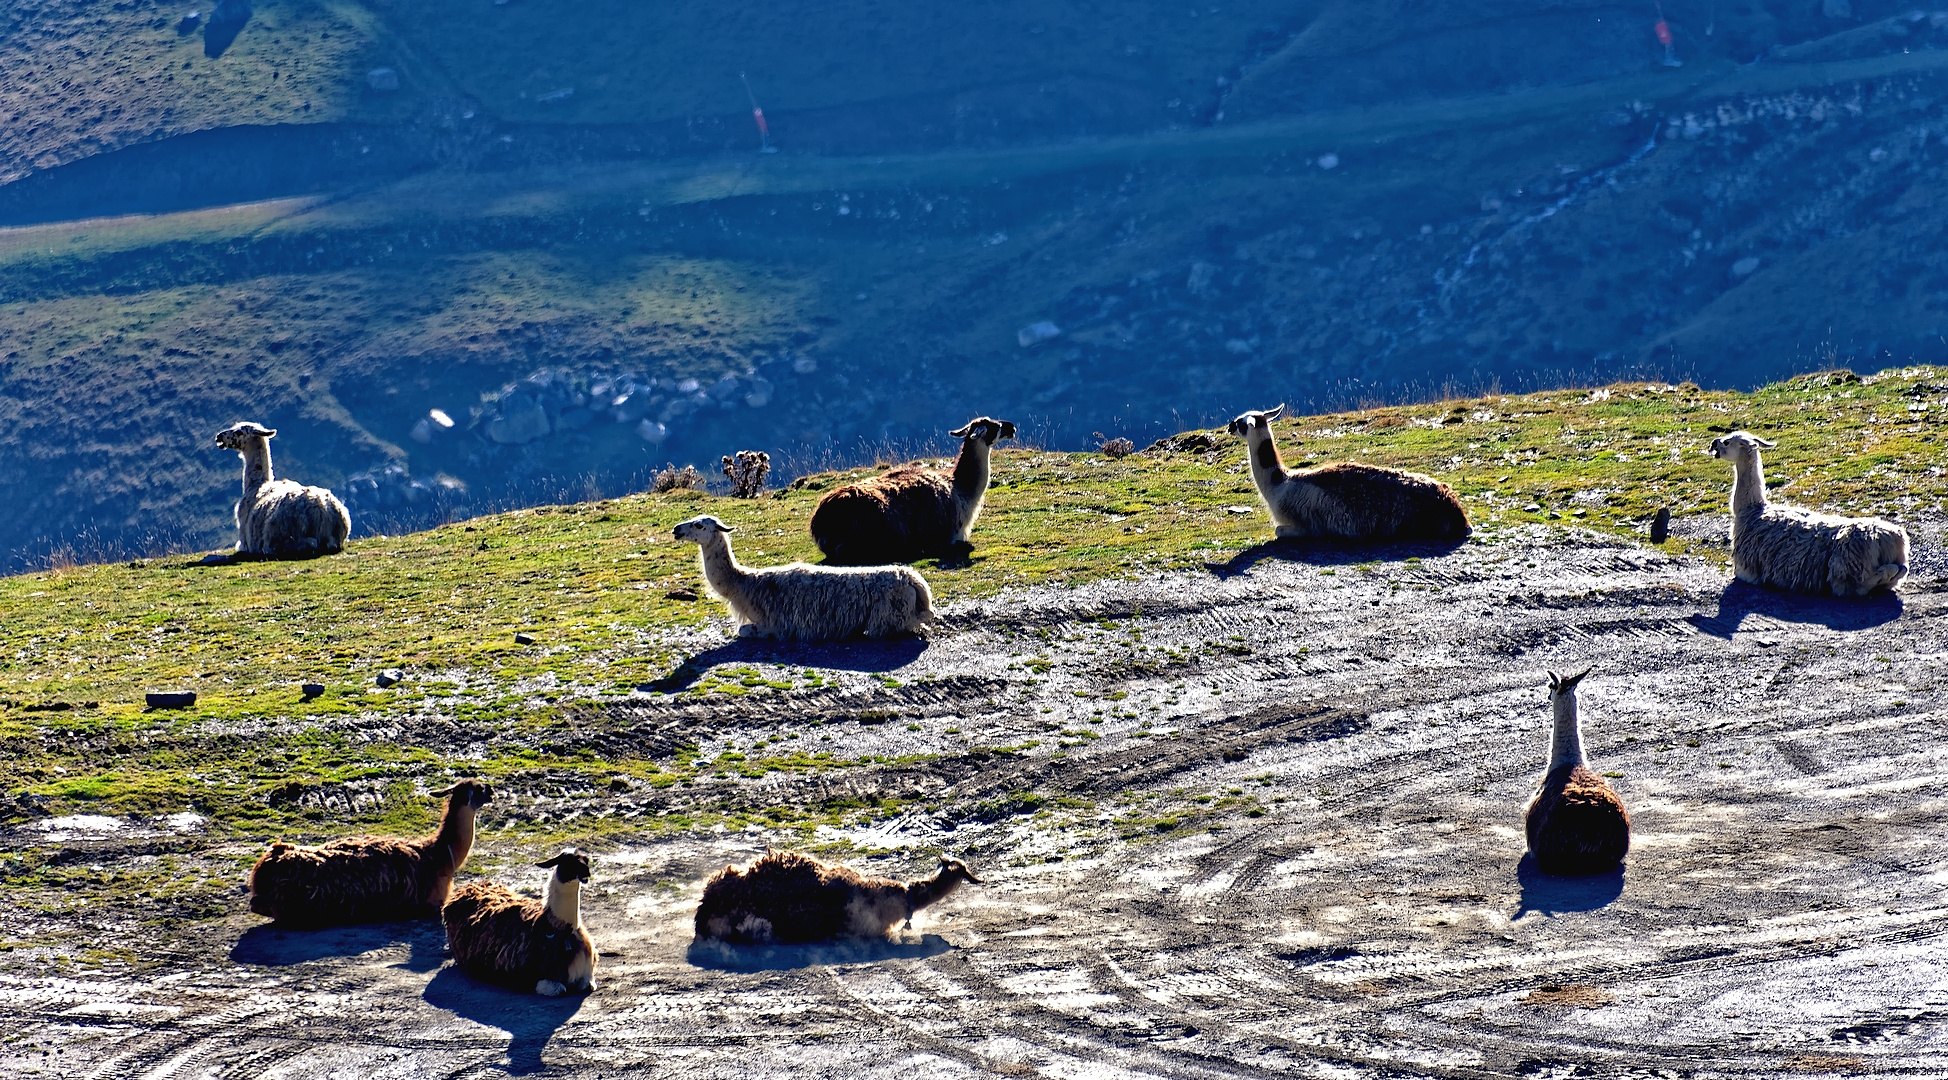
748 630
1289 532
549 988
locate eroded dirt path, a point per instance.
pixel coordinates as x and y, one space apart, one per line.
1361 910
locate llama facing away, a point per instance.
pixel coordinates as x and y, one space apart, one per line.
369 878
280 519
526 945
788 897
809 603
911 512
1346 500
1576 824
1799 550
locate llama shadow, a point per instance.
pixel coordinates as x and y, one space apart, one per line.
530 1020
1552 895
723 956
1740 599
273 946
858 654
1328 553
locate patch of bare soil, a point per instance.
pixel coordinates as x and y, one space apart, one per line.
1293 847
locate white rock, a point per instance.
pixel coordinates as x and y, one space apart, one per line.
1744 267
423 431
804 365
1328 162
439 416
652 431
382 80
1035 333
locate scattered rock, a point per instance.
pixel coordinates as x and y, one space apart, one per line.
653 431
1745 267
389 677
1035 333
1234 754
1328 162
312 690
1660 526
524 639
685 595
520 420
170 700
382 80
619 784
1196 442
1202 274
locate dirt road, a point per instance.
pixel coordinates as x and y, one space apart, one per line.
1346 897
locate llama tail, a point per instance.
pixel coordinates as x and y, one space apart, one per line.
1891 575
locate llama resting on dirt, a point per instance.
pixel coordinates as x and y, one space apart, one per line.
1346 500
537 946
1576 824
911 512
363 879
1800 550
809 603
279 519
787 897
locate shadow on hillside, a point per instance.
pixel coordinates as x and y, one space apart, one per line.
722 956
530 1020
1552 895
1327 553
275 946
219 36
1741 599
857 655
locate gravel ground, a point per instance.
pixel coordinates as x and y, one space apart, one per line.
1362 909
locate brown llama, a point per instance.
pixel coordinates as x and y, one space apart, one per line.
911 512
1576 824
1346 500
787 897
537 946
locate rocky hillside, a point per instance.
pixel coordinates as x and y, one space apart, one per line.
471 256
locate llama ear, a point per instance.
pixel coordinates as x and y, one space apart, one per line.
1275 413
721 527
444 792
963 431
1767 443
270 433
1555 680
1578 677
550 864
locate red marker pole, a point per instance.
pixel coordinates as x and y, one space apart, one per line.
1663 32
764 129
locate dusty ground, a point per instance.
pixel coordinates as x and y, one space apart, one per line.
1781 913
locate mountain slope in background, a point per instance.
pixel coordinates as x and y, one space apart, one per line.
545 222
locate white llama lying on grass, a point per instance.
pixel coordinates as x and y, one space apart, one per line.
1800 550
280 519
809 603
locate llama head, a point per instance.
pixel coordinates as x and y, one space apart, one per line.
1259 420
987 429
1739 445
700 529
952 869
570 865
238 436
1561 686
474 793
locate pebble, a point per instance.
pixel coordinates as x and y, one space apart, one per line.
524 639
182 700
311 690
390 677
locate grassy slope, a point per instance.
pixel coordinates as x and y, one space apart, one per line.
588 582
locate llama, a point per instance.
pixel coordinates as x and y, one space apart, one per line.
791 898
1798 550
809 603
1576 824
369 878
912 512
526 945
1346 500
280 519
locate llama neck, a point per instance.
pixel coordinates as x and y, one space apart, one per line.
1748 484
923 891
256 465
456 829
720 567
971 469
1566 742
564 899
1267 470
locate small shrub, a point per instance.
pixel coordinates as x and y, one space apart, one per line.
747 472
671 478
